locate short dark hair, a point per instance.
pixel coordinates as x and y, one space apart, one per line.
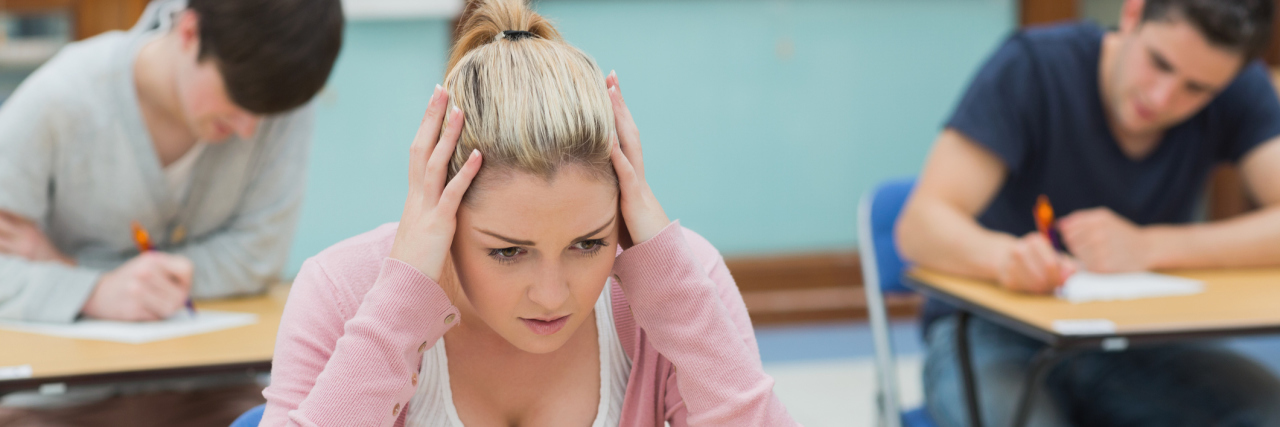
1243 26
274 55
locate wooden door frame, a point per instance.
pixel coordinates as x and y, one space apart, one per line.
88 17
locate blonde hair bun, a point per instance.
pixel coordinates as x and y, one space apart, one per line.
532 102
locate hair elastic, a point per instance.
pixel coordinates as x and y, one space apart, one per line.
514 35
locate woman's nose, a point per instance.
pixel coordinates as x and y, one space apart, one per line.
550 289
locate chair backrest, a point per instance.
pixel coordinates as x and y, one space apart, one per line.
882 274
877 215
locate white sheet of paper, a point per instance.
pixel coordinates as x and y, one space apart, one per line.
1084 326
15 372
180 325
1085 286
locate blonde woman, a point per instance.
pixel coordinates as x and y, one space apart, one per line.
510 292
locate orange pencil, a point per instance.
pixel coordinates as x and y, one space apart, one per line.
143 239
1044 217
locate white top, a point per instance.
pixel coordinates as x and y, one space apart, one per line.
432 403
178 174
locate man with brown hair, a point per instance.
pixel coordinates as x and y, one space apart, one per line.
194 124
1120 130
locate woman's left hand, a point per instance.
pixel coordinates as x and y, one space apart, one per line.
642 216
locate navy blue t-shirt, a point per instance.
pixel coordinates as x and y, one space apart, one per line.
1035 104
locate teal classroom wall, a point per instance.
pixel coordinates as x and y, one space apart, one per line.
762 121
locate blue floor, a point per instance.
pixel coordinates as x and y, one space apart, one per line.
852 340
844 340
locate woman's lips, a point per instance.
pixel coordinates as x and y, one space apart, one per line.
545 327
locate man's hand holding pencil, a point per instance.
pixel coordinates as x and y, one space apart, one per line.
152 286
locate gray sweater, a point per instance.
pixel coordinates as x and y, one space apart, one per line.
76 157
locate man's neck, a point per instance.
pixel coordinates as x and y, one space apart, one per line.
154 77
1135 146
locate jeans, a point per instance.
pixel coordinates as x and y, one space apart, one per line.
1187 384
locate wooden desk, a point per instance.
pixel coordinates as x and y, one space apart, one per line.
1233 300
1234 303
77 362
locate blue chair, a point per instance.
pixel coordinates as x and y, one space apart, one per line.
881 274
250 418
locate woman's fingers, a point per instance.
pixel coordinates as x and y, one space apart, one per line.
628 134
438 164
622 166
452 195
612 79
424 141
625 123
429 197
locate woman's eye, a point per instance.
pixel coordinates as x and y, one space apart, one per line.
505 254
589 245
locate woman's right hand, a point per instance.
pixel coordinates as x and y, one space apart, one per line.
430 211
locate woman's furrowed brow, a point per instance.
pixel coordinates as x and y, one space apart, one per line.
594 232
515 241
507 239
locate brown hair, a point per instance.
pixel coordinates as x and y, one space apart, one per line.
274 55
1242 26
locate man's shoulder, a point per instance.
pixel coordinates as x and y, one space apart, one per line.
1042 63
1062 43
80 70
1063 32
1255 81
96 49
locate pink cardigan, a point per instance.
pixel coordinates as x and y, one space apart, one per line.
357 322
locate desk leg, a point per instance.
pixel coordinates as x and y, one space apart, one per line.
966 369
1040 365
